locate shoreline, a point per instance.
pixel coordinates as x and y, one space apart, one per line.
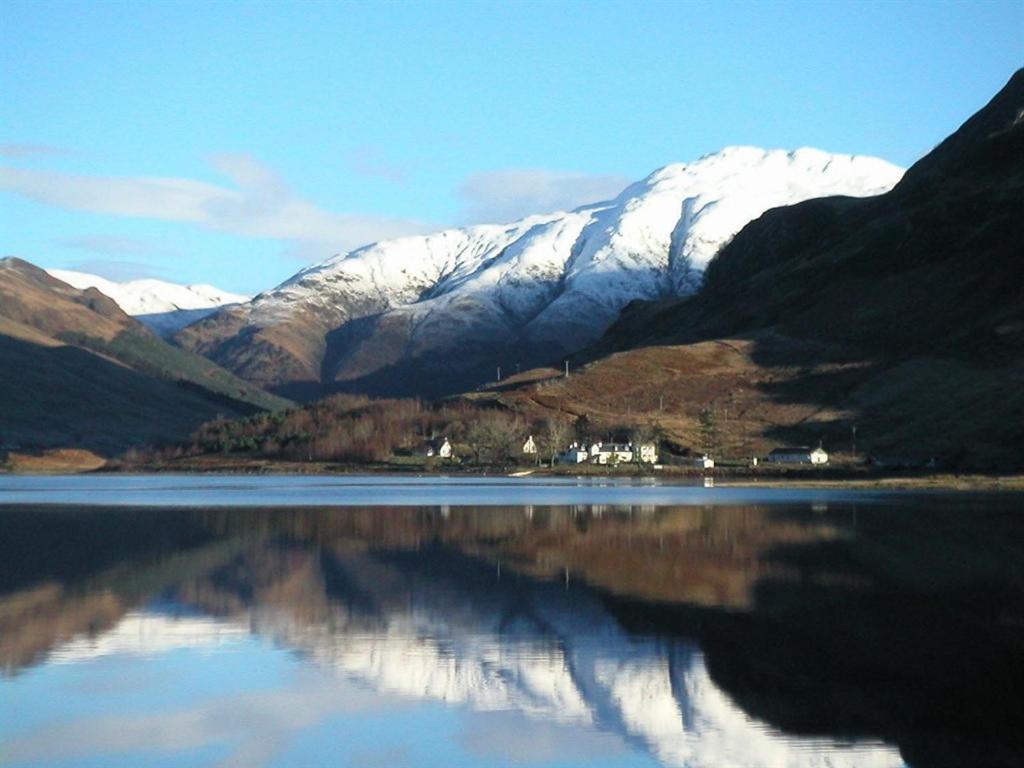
724 477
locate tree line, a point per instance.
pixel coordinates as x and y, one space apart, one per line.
357 429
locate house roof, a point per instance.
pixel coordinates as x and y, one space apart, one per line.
615 446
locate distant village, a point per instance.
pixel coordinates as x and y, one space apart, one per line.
613 454
406 435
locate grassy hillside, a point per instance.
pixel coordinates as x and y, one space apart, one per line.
740 397
901 315
79 372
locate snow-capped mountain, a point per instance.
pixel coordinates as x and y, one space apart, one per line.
432 313
164 307
555 656
144 633
561 658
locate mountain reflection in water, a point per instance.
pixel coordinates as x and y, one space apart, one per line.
699 636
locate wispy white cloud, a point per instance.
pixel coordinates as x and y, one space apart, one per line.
28 150
110 244
258 203
111 256
119 270
254 727
505 195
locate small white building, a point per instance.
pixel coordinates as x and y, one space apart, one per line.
704 462
611 453
648 453
530 447
442 449
798 455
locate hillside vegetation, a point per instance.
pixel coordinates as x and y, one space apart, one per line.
80 373
900 315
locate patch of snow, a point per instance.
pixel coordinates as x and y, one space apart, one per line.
568 663
146 633
165 307
562 278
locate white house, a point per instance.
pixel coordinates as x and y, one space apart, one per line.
648 453
798 455
608 453
442 449
704 462
529 446
604 453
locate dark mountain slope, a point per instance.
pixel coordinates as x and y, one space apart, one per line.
900 315
936 266
78 372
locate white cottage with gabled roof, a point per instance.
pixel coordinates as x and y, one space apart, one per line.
441 448
604 453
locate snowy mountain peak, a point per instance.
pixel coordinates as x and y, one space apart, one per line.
165 307
522 293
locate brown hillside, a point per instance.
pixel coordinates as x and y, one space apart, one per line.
902 315
79 373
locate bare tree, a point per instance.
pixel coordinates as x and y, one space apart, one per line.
507 436
495 435
478 436
556 436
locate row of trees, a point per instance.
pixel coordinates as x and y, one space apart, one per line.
356 429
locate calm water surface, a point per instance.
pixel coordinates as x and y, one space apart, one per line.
289 621
376 490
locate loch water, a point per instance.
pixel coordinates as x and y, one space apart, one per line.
377 621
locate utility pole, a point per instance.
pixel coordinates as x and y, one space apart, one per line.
499 373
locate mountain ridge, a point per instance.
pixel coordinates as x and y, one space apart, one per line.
431 314
955 212
163 306
893 325
79 372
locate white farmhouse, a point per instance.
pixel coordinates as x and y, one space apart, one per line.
704 462
530 447
614 453
648 453
798 455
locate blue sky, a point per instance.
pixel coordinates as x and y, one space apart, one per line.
233 143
